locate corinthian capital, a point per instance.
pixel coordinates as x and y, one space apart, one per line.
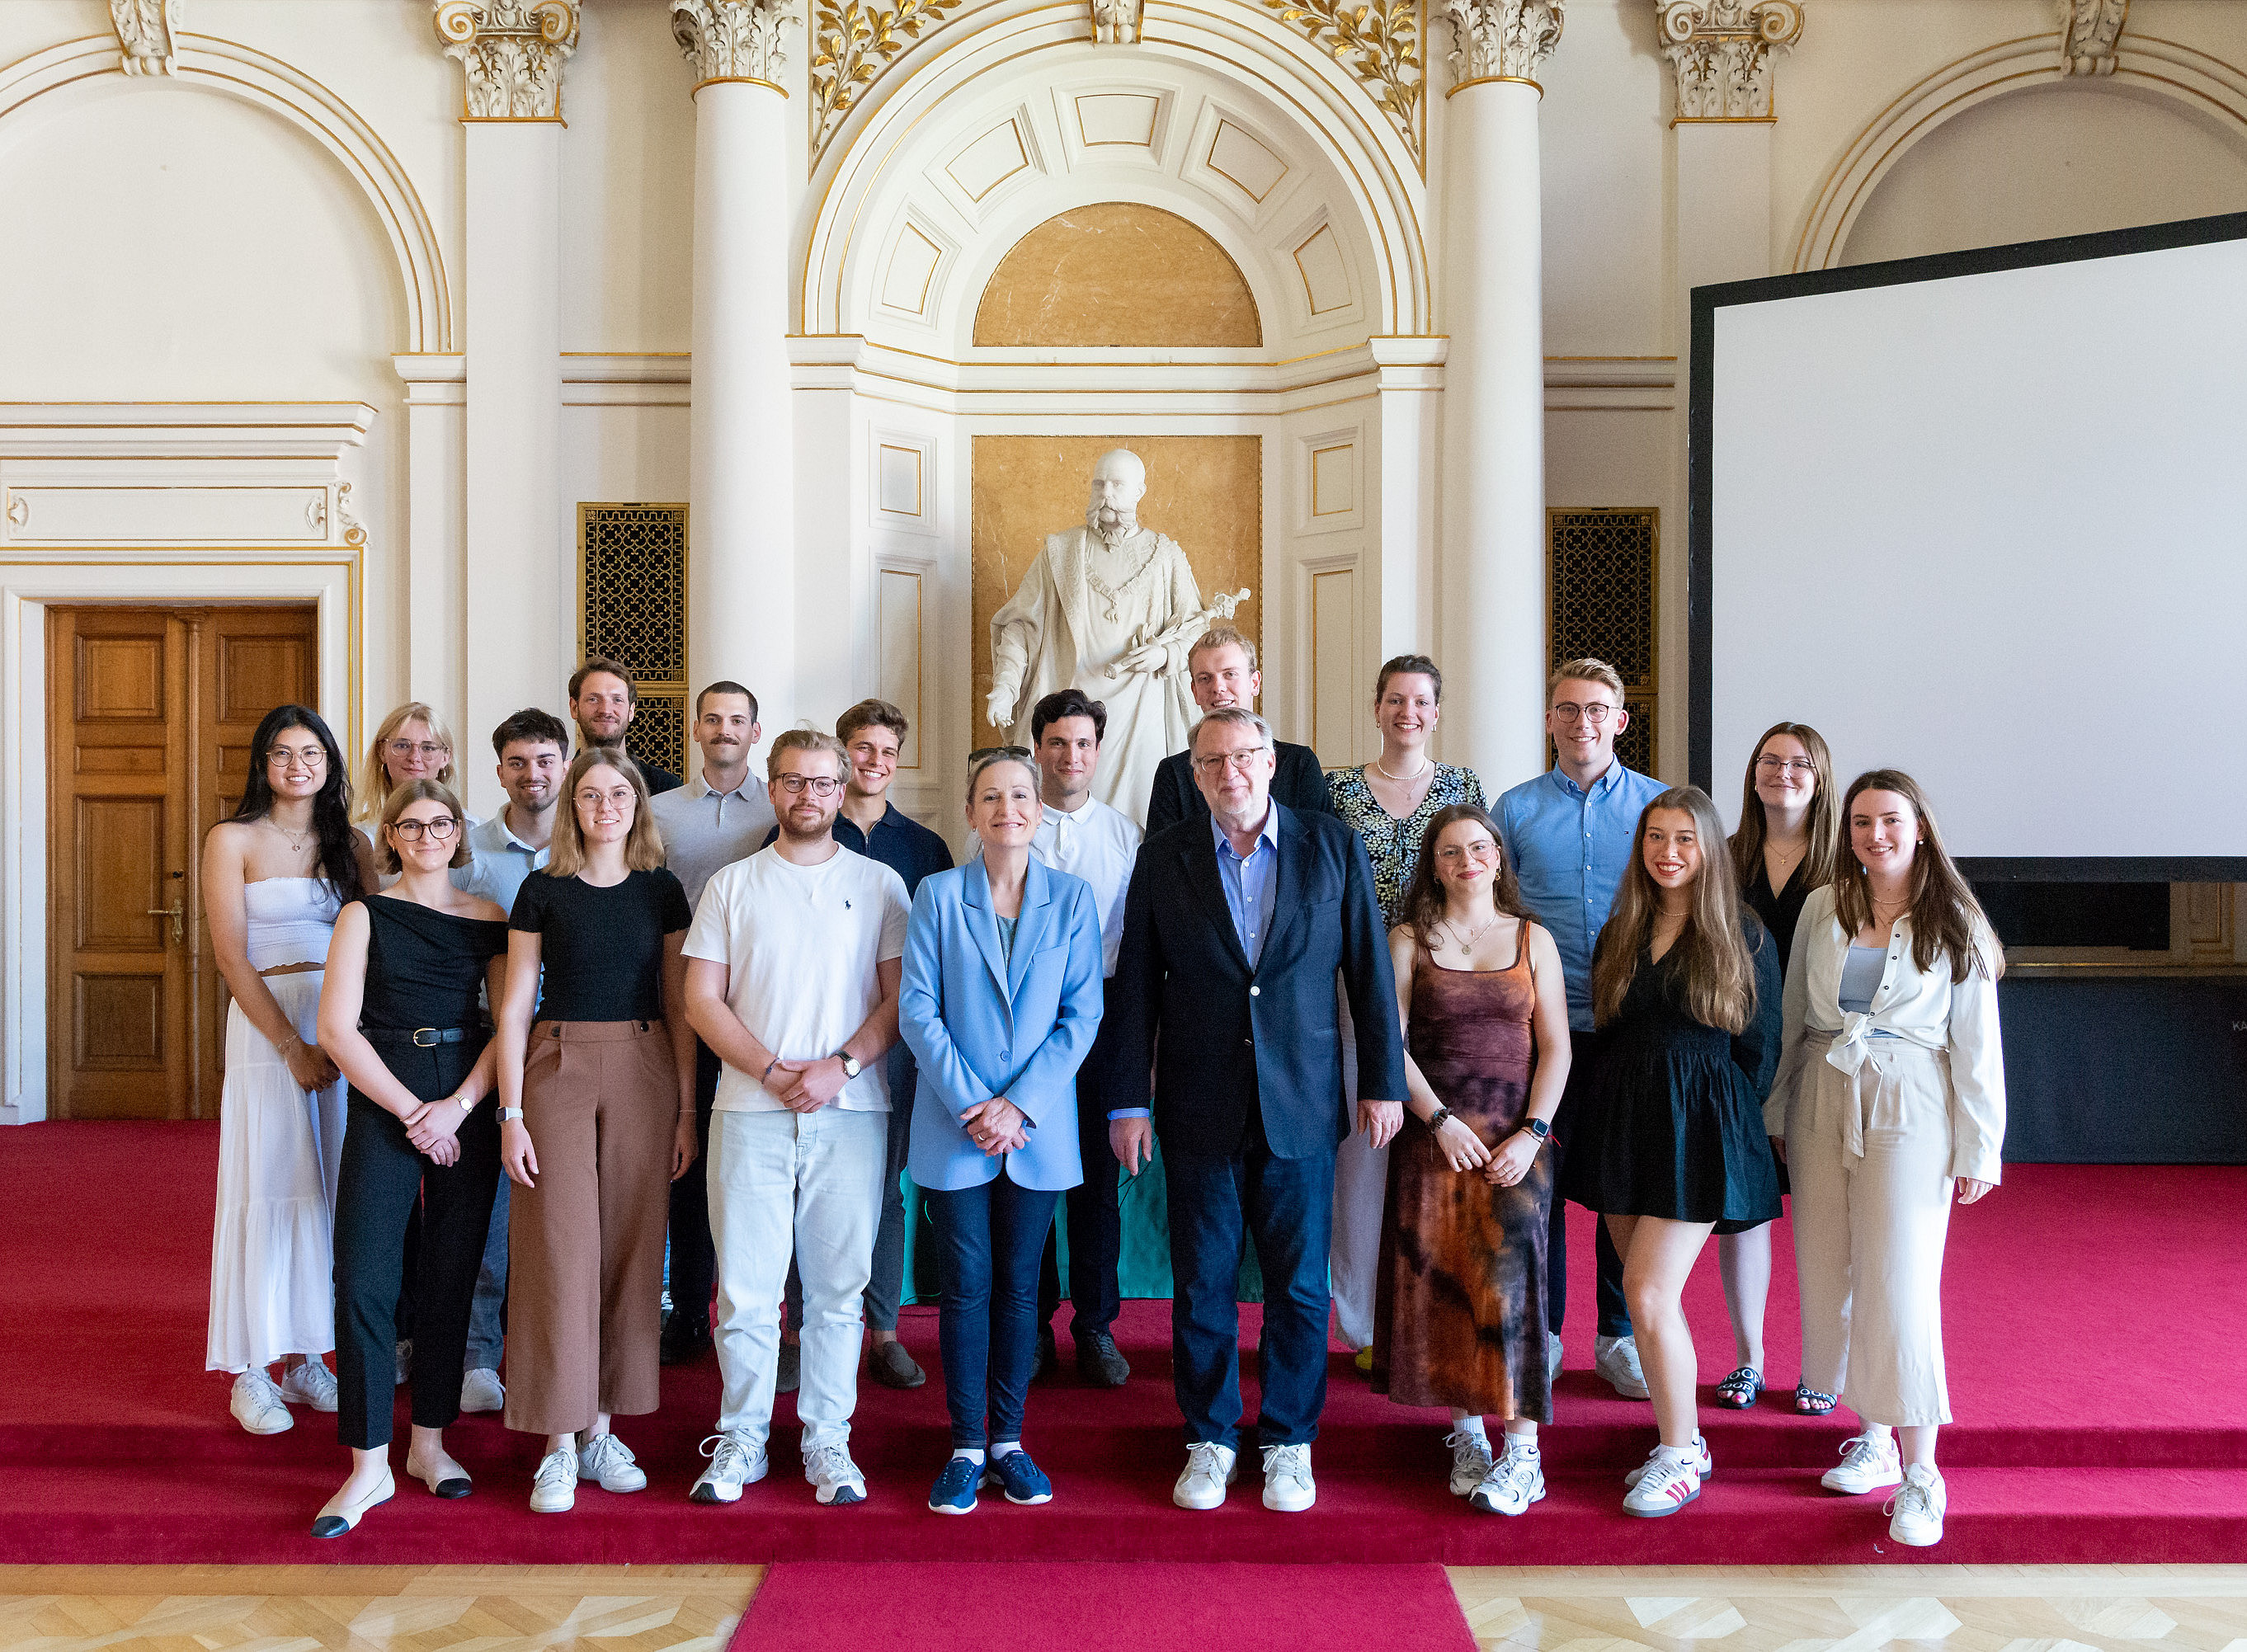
2092 31
146 30
1722 53
1502 38
511 51
733 39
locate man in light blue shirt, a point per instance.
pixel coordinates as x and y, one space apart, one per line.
1568 833
1248 886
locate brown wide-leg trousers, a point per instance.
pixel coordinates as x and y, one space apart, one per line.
585 1244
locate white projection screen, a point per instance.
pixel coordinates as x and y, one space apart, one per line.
1982 517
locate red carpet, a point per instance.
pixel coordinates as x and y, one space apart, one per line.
1097 1607
2092 1316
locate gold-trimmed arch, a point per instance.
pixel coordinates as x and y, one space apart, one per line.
2207 85
237 71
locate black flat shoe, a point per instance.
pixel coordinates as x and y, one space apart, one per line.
452 1487
343 1514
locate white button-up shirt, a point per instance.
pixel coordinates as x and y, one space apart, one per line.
1926 1007
1098 843
704 830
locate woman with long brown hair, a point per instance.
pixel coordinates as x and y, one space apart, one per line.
1891 1103
1670 1145
1460 1298
1789 833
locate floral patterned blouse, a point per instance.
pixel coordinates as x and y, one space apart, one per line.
1393 845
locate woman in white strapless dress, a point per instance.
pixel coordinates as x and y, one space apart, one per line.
274 877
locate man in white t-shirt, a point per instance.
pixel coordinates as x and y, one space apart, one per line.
793 966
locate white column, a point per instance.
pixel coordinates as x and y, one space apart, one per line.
740 566
1493 567
517 587
436 574
1411 387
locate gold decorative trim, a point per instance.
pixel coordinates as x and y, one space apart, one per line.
1495 80
1378 47
741 80
1722 120
852 43
512 120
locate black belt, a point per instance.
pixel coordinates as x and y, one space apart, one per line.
418 1037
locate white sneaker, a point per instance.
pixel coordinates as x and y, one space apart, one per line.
607 1459
1615 1358
1516 1481
834 1477
482 1390
1869 1462
1703 1465
554 1488
1210 1468
310 1383
1915 1511
1470 1460
256 1405
1287 1485
735 1461
1665 1486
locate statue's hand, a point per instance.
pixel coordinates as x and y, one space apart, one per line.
999 707
1144 660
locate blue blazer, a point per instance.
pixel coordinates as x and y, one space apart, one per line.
981 1027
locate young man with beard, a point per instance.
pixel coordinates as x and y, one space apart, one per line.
603 703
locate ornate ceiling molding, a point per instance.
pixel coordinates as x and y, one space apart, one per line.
147 29
1501 40
1116 23
1721 51
733 39
1378 47
511 53
2091 32
853 42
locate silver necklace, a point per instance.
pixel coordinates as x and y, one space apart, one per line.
297 840
1466 941
1426 763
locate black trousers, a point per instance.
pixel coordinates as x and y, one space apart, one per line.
383 1182
1096 1227
1615 1312
693 1258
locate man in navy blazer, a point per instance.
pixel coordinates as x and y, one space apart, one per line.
1234 928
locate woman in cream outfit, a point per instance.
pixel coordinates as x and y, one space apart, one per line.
1890 1104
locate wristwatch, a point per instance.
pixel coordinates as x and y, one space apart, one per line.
850 1063
509 1114
467 1104
1537 1127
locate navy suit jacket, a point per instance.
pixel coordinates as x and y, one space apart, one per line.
1297 780
1232 1037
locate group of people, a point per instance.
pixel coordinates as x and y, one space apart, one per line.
476 1062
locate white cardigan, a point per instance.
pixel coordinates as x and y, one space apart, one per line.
1923 1007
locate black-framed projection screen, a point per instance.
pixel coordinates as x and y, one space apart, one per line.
1982 517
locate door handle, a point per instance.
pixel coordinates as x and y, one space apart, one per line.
175 912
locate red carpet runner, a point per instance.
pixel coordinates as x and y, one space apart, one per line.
1098 1607
2092 1316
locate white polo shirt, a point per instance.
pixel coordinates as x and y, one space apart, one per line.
800 945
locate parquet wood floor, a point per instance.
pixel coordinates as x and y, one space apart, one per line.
694 1608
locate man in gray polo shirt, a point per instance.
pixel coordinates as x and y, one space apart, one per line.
721 815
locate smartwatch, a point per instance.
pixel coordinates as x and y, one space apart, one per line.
851 1069
509 1114
1537 1127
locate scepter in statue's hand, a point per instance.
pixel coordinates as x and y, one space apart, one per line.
1150 656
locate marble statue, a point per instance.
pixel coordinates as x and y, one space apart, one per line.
1109 608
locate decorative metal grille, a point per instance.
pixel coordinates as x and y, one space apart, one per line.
1601 573
631 561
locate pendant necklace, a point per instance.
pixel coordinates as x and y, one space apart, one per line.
297 840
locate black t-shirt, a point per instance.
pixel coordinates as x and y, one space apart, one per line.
602 948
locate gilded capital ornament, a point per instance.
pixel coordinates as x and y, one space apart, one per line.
511 51
1508 39
733 39
1722 53
2091 31
147 31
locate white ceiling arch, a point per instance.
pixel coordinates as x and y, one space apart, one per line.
1239 128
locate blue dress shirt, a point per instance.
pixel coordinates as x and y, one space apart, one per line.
1569 847
1250 885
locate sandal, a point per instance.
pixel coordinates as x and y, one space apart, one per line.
1738 1391
1808 1402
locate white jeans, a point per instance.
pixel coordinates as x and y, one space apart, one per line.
808 1185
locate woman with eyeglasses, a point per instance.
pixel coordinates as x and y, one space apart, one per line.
413 743
274 877
400 1016
1789 835
597 1119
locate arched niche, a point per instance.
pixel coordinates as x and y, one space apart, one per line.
1117 273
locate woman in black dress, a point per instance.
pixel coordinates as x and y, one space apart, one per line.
1789 838
399 1015
1670 1145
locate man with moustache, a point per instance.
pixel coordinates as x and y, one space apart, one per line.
1221 669
717 818
533 747
603 703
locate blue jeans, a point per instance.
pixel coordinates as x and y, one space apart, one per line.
989 1239
1285 1206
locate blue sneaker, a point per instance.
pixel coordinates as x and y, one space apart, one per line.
954 1490
1022 1480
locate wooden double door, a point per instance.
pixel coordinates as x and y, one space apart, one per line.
150 713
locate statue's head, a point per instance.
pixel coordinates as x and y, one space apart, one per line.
1119 481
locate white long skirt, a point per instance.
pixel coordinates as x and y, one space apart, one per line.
280 1147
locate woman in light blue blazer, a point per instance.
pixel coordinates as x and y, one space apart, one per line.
1001 997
